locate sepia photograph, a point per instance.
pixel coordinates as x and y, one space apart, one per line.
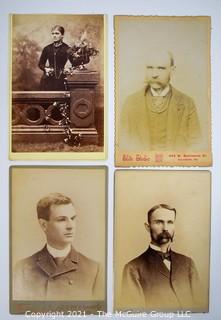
57 86
162 241
58 239
162 91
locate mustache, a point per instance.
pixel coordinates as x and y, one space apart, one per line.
164 235
154 82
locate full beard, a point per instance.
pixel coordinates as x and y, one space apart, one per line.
163 237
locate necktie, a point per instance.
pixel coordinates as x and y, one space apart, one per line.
165 255
59 261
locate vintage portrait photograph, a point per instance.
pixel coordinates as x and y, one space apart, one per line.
58 238
57 86
162 91
162 241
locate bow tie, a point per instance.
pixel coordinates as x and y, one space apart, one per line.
165 255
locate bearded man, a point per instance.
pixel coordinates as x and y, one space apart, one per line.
161 279
159 117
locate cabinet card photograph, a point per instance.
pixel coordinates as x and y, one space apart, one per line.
162 241
57 86
162 91
58 238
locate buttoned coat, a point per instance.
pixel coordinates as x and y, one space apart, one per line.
183 129
39 278
56 59
147 283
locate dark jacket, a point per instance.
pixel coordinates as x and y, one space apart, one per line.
39 278
55 58
148 283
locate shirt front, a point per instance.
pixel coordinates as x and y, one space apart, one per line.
157 107
163 93
165 261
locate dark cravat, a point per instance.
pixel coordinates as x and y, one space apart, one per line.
59 260
165 255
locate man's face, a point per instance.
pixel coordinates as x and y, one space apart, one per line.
56 35
162 226
158 71
61 226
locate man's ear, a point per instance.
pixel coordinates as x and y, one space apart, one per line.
172 71
147 226
43 223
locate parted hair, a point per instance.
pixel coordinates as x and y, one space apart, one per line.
59 28
44 204
154 208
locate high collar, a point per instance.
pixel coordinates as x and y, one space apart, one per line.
163 93
57 44
156 248
47 264
55 253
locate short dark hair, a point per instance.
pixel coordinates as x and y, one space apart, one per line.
154 208
60 28
44 204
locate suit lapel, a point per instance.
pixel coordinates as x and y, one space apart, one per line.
163 269
158 263
47 264
143 126
174 266
70 263
174 116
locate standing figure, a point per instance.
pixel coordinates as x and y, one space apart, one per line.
52 62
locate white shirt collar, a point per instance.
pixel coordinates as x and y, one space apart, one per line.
156 248
163 93
58 253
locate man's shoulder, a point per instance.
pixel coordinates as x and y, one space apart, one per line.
133 101
86 260
140 94
29 261
181 96
138 260
181 257
147 256
138 97
87 266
